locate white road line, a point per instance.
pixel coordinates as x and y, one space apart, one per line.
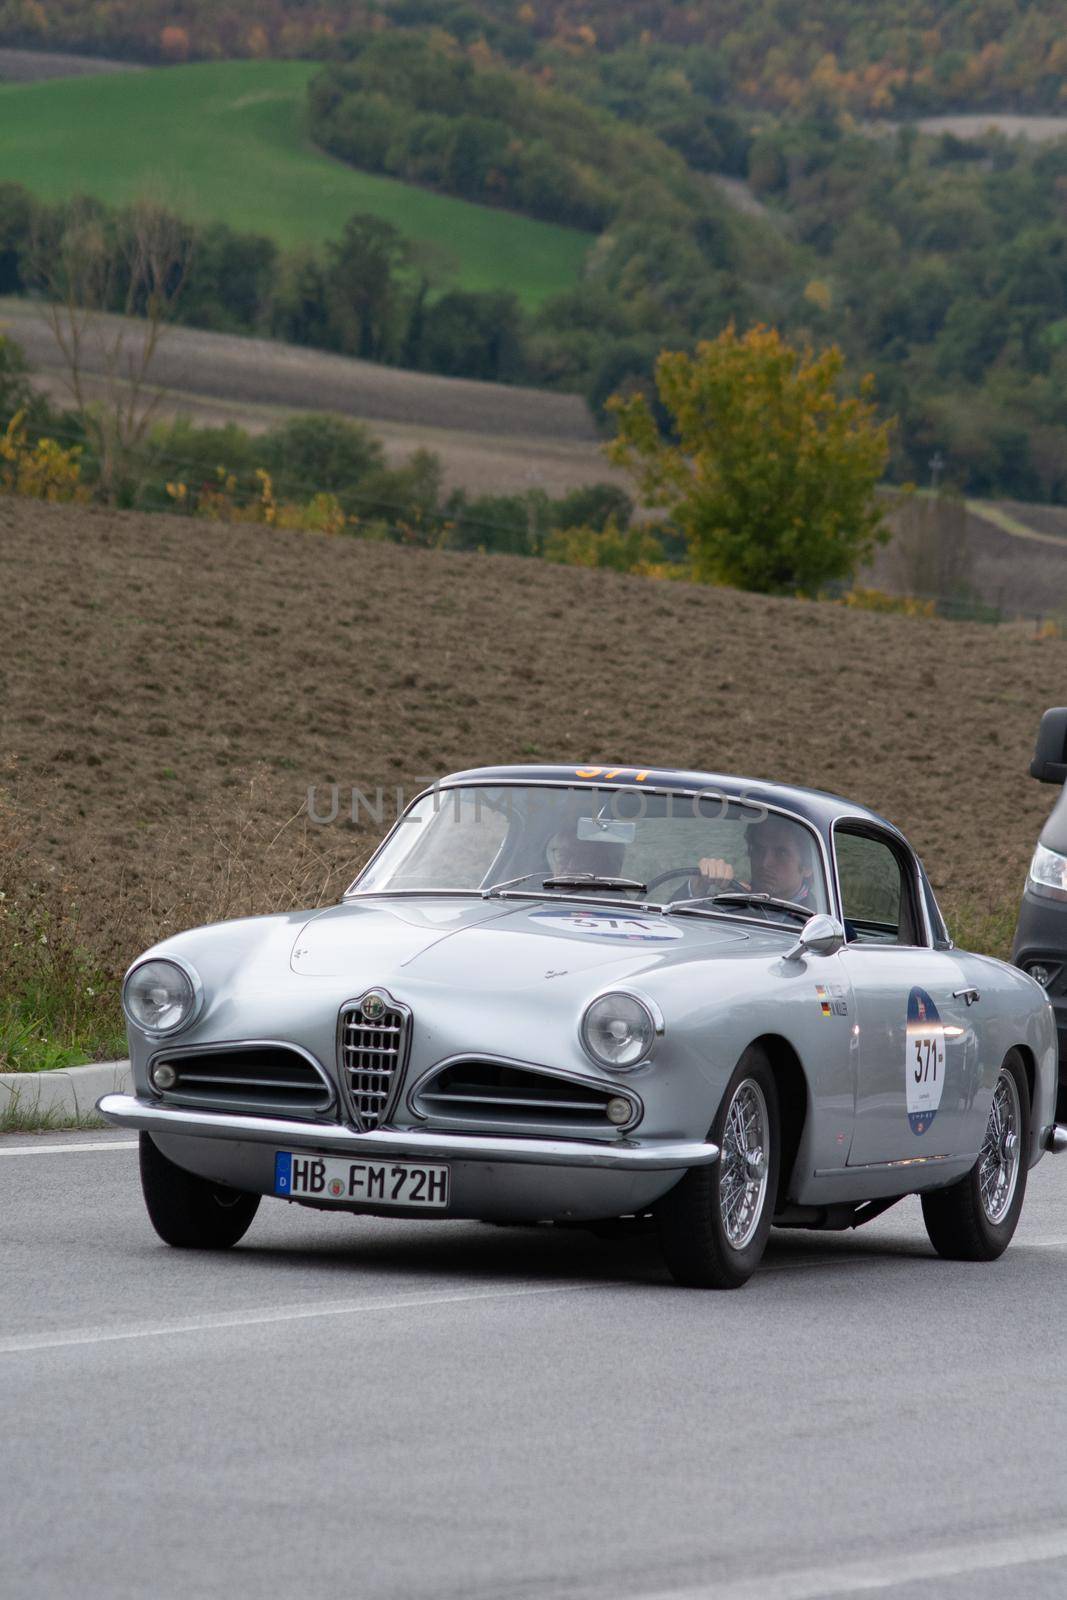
881 1572
255 1318
59 1149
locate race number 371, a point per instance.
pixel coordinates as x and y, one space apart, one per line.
924 1060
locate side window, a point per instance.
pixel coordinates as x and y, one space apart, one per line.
876 897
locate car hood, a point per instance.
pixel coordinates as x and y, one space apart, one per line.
494 945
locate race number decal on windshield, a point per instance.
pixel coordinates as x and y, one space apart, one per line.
924 1060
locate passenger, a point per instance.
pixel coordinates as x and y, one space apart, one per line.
570 857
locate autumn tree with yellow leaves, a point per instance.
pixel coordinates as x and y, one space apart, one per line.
770 470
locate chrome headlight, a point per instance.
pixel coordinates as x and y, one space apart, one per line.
618 1031
160 996
1048 873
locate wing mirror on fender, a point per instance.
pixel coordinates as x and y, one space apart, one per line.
820 936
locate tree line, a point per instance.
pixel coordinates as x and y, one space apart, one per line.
871 56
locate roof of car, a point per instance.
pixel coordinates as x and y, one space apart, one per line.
814 805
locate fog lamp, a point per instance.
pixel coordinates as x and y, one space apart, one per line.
163 1075
618 1110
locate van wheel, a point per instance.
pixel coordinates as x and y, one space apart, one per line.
190 1212
713 1225
974 1219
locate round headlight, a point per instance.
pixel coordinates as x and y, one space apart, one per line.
160 997
618 1031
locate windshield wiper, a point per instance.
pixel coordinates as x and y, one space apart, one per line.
746 897
738 897
590 880
508 883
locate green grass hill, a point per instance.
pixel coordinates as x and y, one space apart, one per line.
227 141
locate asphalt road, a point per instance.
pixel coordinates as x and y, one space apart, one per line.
358 1408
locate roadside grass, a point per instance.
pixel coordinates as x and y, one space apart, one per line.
13 1119
58 1018
986 929
58 1005
226 141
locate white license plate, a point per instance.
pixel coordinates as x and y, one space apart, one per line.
380 1183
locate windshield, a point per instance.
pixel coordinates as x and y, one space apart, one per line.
664 847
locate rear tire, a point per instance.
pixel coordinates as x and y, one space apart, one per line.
713 1225
974 1219
188 1212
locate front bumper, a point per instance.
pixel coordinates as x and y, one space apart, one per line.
666 1155
494 1178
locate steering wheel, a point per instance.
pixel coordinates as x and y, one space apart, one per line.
691 872
675 872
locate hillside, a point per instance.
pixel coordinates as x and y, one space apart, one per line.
872 55
226 141
159 748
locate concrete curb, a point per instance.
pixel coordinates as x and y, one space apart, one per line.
66 1095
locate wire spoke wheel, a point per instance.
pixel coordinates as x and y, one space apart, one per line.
974 1218
744 1163
998 1160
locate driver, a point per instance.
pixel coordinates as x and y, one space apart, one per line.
781 860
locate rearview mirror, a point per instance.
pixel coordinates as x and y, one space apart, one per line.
1050 755
820 936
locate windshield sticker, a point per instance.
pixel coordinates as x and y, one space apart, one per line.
608 925
924 1060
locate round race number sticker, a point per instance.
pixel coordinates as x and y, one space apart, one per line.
924 1060
609 925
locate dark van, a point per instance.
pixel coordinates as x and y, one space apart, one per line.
1040 946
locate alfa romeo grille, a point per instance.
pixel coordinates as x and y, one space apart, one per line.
262 1079
499 1094
372 1048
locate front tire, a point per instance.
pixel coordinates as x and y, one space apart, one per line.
188 1212
713 1225
974 1219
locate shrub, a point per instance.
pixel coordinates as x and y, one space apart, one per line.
41 471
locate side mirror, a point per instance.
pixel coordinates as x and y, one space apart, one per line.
820 936
1050 755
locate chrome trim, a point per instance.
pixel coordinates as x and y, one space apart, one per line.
1056 1139
828 928
198 996
651 1010
892 1166
244 1044
662 1155
610 1089
829 879
875 830
403 1052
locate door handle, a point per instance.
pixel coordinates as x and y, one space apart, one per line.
970 997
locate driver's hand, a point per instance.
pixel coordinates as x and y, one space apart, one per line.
715 874
715 870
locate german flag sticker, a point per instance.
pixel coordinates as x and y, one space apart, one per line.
824 1000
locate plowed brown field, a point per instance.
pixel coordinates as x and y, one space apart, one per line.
169 690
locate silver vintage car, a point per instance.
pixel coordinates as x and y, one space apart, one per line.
580 994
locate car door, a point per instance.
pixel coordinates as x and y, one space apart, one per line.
916 1043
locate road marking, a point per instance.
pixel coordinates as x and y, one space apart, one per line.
880 1572
58 1149
256 1318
